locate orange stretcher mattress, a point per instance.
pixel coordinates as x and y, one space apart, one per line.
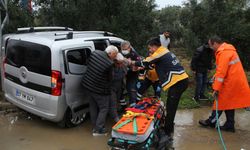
138 121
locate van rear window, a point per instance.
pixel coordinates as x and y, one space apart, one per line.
35 57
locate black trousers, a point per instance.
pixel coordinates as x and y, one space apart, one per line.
174 95
229 116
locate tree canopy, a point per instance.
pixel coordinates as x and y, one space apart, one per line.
137 20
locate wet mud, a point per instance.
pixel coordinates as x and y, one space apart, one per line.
23 131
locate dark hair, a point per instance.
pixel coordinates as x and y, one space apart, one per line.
155 41
216 39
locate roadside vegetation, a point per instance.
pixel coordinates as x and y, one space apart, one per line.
137 20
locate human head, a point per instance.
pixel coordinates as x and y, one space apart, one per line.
125 47
119 60
119 57
112 51
153 44
166 34
215 42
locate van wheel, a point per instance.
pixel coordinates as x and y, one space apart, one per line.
72 119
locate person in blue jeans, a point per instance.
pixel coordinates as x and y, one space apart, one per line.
201 63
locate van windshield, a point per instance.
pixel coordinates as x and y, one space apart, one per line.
35 57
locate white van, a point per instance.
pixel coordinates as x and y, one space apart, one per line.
43 68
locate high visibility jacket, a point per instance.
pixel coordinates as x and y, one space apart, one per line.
152 75
230 79
167 66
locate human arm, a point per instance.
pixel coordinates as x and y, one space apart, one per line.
223 59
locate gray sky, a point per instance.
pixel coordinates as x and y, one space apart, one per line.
164 3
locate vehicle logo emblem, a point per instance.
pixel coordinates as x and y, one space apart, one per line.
23 74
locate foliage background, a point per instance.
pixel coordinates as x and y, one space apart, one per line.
137 20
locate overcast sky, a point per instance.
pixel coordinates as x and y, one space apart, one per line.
164 3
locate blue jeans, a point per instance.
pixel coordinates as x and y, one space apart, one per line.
201 83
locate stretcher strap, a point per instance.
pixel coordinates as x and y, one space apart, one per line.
142 106
135 110
130 114
135 126
122 124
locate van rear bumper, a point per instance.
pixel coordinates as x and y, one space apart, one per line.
47 106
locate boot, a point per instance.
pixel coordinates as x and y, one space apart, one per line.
207 123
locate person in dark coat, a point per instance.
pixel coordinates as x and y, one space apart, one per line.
201 64
97 82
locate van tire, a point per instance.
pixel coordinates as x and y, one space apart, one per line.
69 122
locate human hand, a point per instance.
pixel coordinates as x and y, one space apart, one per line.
127 61
215 94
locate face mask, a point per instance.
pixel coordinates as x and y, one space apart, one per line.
125 52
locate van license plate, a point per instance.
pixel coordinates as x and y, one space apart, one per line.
25 97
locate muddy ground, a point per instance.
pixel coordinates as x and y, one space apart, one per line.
23 131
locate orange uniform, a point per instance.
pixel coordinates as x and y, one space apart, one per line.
230 79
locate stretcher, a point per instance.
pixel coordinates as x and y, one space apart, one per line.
138 127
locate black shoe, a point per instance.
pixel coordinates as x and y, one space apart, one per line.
203 97
101 132
206 123
228 129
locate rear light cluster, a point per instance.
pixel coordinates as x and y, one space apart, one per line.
56 83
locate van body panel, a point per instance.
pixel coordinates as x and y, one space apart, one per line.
43 105
30 60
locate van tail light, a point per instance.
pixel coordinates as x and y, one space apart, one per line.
4 62
56 83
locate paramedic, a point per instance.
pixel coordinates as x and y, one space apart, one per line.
172 77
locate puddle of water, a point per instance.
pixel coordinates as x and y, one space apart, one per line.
28 132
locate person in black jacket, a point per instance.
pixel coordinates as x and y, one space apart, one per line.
201 63
97 82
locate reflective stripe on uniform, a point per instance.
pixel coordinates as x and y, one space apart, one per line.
170 76
123 102
220 79
234 61
138 96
